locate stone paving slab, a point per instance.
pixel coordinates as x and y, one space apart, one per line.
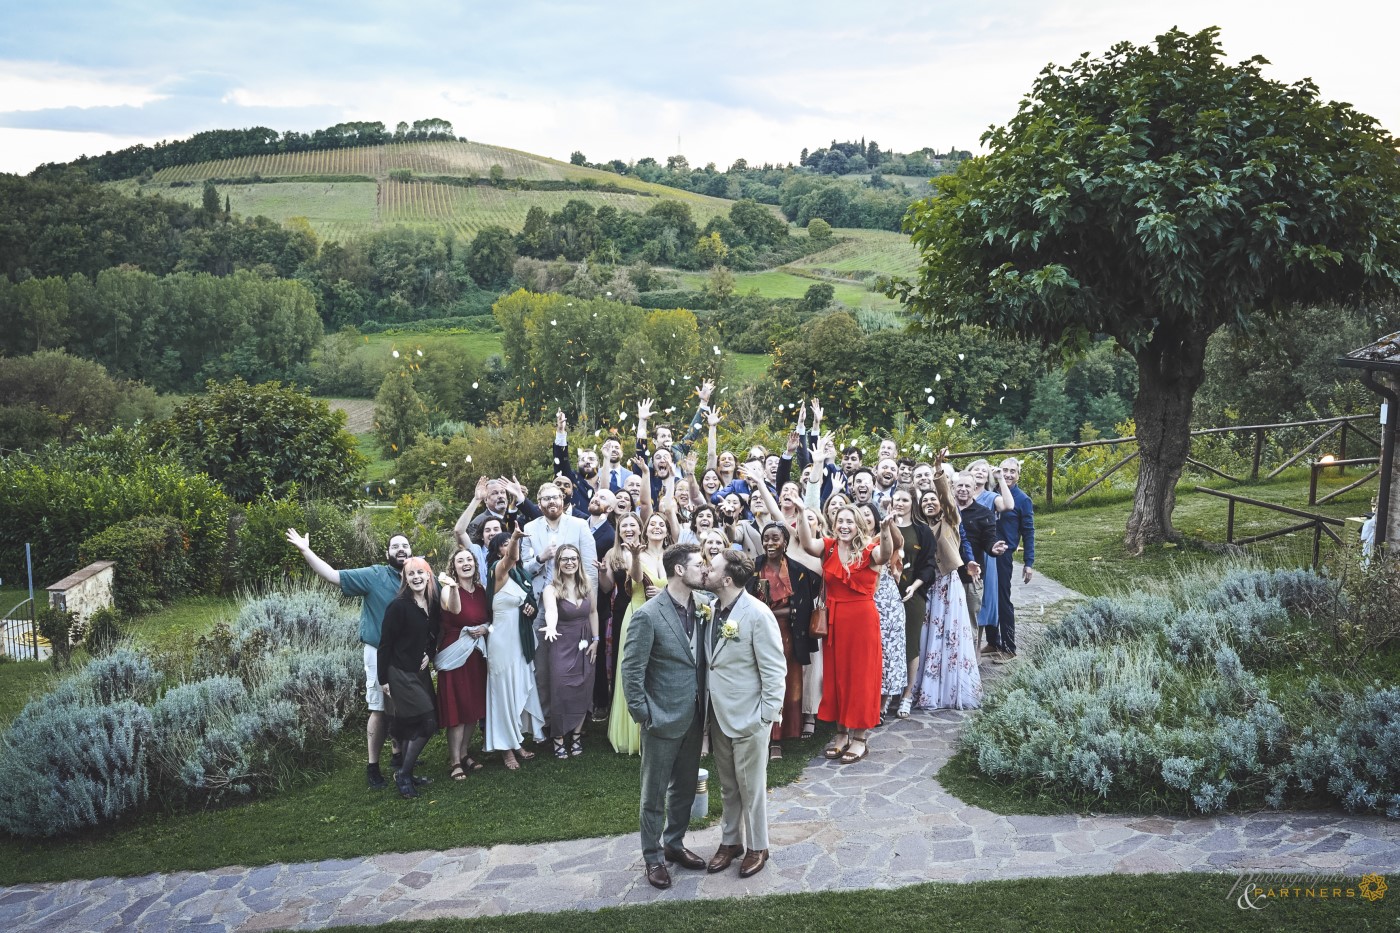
879 823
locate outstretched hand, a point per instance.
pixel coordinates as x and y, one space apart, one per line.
707 388
644 408
302 542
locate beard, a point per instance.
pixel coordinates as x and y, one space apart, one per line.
588 471
398 560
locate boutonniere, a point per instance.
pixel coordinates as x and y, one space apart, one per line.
729 630
705 612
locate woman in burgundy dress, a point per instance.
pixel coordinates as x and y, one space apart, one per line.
461 662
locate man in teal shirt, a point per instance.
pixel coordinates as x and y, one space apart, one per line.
376 586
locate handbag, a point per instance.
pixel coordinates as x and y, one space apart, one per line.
816 626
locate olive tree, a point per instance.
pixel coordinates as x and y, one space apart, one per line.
1156 194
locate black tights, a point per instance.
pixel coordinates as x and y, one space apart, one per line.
411 750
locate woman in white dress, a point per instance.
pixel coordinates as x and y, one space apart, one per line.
947 676
512 700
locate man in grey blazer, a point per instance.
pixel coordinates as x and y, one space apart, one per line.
747 675
544 536
663 680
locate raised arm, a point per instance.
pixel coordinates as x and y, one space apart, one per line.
697 424
1004 501
889 530
509 555
810 542
812 496
640 467
769 503
643 416
668 512
712 454
302 542
465 519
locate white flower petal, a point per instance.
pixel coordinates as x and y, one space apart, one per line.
475 385
949 422
930 399
396 354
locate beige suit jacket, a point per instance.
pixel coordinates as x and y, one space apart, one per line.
748 672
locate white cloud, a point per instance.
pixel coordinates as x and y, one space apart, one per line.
22 150
36 86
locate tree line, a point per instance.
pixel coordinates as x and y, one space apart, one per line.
210 145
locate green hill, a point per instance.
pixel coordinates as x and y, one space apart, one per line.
345 192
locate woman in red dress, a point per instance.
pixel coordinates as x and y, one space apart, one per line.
461 662
851 685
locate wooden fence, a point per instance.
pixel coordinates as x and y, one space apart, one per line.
1345 429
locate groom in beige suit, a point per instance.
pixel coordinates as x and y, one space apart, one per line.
746 680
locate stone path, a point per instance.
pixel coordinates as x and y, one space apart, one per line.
881 823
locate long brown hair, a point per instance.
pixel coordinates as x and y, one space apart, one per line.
577 583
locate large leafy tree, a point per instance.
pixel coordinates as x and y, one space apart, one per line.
1156 194
264 440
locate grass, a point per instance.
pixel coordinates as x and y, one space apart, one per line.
1082 546
1109 902
864 253
746 368
332 814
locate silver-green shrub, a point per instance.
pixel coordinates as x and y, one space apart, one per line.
1359 760
69 766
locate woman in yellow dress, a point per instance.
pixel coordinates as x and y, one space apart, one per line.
647 576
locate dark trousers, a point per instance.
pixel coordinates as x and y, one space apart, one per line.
670 769
1006 613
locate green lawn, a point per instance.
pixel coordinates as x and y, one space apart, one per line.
776 283
747 368
334 815
1082 546
1186 902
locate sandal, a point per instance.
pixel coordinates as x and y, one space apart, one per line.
561 750
837 747
849 757
576 746
809 728
458 773
510 762
905 705
524 755
471 764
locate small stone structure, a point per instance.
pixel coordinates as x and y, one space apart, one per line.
84 592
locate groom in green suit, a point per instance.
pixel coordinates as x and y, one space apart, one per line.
663 680
746 679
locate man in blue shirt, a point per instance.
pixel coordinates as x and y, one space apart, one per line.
1016 527
376 586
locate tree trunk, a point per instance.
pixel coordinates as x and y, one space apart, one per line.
1170 370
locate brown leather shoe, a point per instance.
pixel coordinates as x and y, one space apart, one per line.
684 858
658 876
754 860
723 858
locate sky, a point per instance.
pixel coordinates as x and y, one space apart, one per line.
714 81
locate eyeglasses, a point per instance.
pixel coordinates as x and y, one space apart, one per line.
551 498
568 560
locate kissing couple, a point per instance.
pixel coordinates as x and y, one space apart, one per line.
704 652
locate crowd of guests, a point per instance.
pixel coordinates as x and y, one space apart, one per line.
890 585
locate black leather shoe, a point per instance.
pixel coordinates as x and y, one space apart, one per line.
723 858
658 876
754 860
684 858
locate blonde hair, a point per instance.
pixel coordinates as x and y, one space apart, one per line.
619 558
577 583
987 483
861 539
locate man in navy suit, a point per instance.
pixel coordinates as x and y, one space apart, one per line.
1017 528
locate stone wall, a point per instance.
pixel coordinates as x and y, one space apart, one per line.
86 591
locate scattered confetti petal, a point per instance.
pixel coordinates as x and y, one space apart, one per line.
469 458
396 354
716 350
961 356
930 399
937 377
419 352
553 323
949 422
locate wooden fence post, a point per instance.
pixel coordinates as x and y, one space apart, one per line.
1342 453
1050 476
1258 454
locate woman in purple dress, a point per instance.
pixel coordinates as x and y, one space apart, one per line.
571 638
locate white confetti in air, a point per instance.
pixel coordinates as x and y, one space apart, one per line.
724 390
974 422
928 388
623 416
937 377
643 359
930 399
475 385
859 383
669 410
396 354
419 352
469 458
595 313
673 382
961 357
598 433
716 350
553 323
393 482
1002 399
1003 385
949 422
